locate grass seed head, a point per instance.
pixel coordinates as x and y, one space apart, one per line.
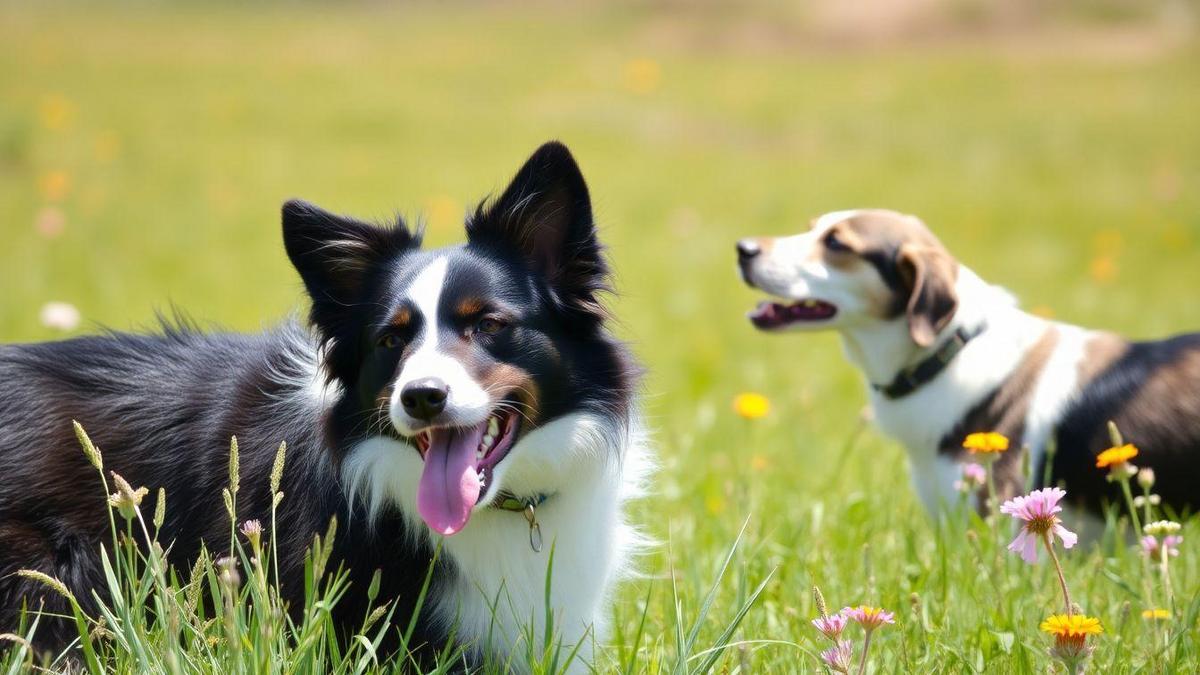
89 449
126 500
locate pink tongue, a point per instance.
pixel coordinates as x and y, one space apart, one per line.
449 484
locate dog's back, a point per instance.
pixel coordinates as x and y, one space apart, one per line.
1151 390
162 409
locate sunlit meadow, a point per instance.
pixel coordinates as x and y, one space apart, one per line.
145 150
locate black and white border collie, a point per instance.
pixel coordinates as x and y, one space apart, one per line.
460 395
947 354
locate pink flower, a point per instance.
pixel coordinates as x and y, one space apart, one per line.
869 618
973 477
1150 545
839 656
1037 510
831 626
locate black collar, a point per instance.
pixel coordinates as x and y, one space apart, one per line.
922 372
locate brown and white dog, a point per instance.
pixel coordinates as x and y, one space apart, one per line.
947 354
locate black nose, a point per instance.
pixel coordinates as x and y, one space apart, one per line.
747 249
424 399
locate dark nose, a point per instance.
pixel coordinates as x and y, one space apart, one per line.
424 399
747 249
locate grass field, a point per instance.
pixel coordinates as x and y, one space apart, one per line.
145 150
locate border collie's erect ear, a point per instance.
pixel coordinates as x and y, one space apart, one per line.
545 215
336 257
930 274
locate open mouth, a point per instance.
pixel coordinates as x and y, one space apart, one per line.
771 315
458 467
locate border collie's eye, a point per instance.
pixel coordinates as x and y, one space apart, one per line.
833 243
389 341
489 325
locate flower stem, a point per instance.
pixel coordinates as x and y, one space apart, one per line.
993 501
1137 524
1062 580
862 665
1164 553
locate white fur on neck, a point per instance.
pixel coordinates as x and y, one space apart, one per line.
573 460
921 419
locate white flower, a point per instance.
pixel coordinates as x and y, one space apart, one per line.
59 315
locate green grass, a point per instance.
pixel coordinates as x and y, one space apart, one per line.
180 130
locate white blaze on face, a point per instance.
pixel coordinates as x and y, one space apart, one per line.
467 402
792 268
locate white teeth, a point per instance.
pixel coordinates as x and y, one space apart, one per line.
484 446
493 427
482 479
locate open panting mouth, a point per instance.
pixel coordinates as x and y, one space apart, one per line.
769 315
458 466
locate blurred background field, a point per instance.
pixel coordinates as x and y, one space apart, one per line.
145 149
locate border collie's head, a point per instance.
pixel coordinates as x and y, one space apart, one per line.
464 352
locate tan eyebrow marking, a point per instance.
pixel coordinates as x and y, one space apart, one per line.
402 317
470 306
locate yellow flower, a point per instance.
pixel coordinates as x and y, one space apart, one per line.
751 406
642 76
1073 626
1115 456
1070 638
55 185
56 112
985 442
1103 269
1156 614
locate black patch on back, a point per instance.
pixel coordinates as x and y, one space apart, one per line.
1171 449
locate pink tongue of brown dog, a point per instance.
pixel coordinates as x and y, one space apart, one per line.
450 484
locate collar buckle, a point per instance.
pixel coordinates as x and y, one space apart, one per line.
535 529
526 506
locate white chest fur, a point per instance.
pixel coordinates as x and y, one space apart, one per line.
921 419
499 599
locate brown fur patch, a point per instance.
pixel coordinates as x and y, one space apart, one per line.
847 261
1004 411
518 385
470 306
402 317
918 272
1099 353
882 230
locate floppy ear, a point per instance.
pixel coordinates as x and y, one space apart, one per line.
545 216
930 274
336 257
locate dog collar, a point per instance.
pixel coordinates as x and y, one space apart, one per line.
917 375
506 501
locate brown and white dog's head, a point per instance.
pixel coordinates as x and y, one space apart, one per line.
852 268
